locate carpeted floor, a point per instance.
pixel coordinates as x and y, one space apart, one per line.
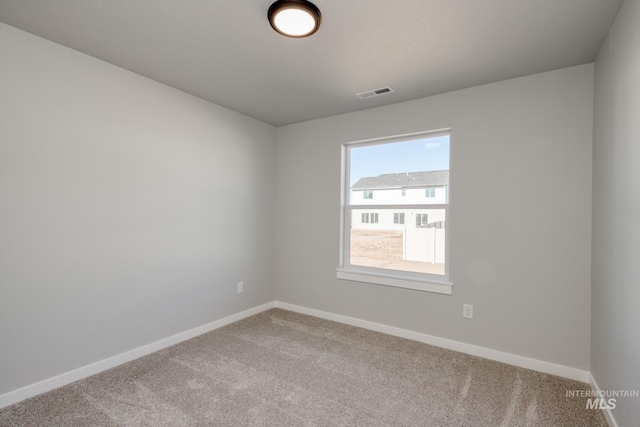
280 368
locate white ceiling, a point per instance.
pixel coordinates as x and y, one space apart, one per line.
226 52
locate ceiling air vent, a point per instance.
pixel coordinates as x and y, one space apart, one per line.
375 92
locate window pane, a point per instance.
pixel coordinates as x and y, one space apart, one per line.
417 246
398 218
403 229
413 169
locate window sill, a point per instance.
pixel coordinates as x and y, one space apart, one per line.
438 287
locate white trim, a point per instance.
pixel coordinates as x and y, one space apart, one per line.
401 138
407 282
347 271
608 415
49 384
499 356
400 206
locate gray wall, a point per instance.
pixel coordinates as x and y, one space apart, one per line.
615 327
520 216
128 210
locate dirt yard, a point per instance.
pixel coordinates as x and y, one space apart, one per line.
383 249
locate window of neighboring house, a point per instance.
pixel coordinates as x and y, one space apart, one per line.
422 220
415 256
367 218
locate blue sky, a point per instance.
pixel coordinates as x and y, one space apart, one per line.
410 156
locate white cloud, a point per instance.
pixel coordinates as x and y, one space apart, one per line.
431 145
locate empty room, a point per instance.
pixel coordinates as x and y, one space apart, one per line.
319 213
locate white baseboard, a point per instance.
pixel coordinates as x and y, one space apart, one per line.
94 368
607 412
77 374
511 359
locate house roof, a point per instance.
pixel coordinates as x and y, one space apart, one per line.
403 180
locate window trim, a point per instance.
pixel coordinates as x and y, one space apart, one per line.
386 277
430 285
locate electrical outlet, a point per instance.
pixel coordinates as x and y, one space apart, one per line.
240 287
467 311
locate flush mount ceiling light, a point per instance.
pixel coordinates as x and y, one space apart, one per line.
294 18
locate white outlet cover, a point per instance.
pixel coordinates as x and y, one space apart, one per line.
467 311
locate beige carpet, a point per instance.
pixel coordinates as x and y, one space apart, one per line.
280 368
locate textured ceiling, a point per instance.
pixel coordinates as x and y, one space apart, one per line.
226 52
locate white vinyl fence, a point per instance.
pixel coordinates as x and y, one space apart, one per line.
424 244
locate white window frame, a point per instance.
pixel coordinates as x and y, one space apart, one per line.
440 284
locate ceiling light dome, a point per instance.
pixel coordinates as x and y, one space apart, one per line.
294 18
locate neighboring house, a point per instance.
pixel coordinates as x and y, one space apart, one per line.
396 190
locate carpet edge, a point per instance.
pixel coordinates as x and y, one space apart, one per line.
487 353
63 379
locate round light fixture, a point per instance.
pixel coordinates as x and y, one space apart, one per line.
294 18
